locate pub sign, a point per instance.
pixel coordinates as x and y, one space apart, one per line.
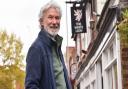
78 19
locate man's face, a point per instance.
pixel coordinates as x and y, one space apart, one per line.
51 21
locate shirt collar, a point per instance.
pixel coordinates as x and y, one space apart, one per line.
48 39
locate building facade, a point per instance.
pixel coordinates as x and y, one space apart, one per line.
101 51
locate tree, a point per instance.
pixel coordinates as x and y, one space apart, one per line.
123 27
11 61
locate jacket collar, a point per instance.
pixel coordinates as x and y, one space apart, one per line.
47 39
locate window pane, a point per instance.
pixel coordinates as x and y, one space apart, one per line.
88 87
115 74
110 79
105 57
111 53
93 85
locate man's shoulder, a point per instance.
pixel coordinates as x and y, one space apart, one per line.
37 43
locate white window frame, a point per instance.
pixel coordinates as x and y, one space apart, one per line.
109 64
99 74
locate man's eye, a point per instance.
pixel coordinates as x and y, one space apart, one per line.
50 17
57 18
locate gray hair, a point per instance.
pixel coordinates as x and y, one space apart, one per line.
51 4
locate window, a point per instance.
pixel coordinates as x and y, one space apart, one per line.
110 83
99 77
111 53
110 66
112 77
88 87
115 76
93 84
101 71
89 79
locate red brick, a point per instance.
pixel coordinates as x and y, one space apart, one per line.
124 54
125 49
125 76
125 58
124 62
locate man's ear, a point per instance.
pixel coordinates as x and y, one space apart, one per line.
40 20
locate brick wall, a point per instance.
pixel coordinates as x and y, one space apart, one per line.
124 57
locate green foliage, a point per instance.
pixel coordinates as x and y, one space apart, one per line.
10 49
123 27
125 13
5 79
11 61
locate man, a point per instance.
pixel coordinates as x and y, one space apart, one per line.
45 67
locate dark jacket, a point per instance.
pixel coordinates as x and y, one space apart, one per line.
39 68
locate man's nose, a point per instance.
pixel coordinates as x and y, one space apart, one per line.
55 20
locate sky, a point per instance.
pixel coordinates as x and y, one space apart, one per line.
21 18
